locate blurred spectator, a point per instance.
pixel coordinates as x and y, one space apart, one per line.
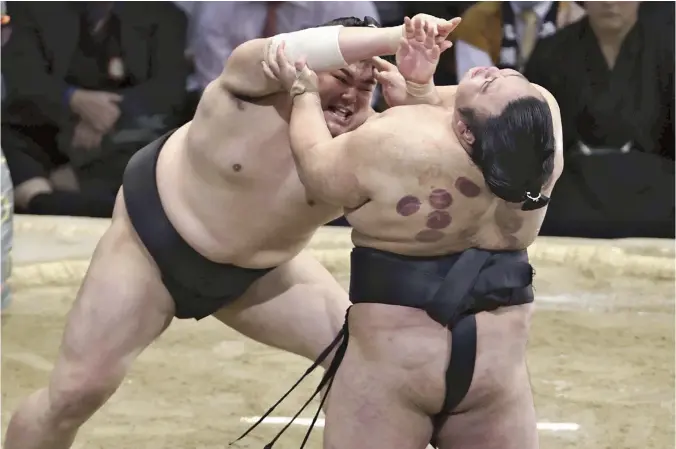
216 28
503 34
612 74
88 84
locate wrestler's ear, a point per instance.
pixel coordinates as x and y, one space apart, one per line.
465 133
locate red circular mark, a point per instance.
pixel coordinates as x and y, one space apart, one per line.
440 199
429 236
467 187
408 205
438 219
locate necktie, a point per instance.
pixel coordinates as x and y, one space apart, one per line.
530 34
270 24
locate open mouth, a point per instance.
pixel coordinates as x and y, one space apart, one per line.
340 113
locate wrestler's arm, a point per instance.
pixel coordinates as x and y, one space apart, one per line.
331 169
244 75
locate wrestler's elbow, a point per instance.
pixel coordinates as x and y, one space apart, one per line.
243 72
316 186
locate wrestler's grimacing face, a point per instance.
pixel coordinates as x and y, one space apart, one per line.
487 90
346 96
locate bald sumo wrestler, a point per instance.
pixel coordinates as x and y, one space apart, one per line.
444 199
211 220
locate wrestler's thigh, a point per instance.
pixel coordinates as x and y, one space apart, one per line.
298 307
368 407
509 422
120 308
498 411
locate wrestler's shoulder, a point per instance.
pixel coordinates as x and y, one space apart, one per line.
407 121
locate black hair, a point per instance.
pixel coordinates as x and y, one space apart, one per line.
515 150
353 22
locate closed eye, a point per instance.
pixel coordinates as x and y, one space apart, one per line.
485 85
342 80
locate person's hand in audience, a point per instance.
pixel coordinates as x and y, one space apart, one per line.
99 109
86 136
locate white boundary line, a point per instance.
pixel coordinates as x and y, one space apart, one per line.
279 420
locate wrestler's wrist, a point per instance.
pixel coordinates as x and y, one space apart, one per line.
394 35
302 92
419 90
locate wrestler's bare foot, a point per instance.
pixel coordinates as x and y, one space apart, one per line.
121 307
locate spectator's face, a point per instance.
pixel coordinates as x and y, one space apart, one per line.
612 16
4 24
487 90
346 96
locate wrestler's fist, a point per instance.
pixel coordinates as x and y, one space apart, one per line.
423 41
295 77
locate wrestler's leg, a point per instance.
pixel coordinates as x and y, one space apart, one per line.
498 412
392 363
121 307
298 307
506 422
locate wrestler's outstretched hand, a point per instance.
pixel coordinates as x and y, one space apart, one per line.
424 39
295 77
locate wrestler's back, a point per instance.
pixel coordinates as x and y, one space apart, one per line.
229 185
436 201
430 201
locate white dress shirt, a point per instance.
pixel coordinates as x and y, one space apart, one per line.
216 28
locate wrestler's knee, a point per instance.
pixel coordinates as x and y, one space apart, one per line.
79 389
335 301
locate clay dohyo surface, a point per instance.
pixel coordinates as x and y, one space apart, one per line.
601 356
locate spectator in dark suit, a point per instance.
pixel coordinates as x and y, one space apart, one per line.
88 84
613 76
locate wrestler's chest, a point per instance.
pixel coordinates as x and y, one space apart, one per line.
271 178
258 159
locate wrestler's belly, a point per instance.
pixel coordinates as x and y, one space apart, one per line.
256 225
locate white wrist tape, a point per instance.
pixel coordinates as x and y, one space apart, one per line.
319 46
419 90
